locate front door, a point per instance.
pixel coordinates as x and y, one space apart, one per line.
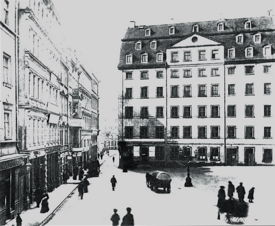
249 156
144 153
232 156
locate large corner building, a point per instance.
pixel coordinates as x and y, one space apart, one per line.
199 91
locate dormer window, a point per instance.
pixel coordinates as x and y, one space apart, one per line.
148 32
239 39
138 45
129 59
195 28
172 30
159 57
257 38
220 27
267 51
247 25
153 44
144 58
231 53
249 52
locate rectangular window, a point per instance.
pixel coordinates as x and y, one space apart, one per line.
159 152
231 89
249 89
129 132
128 112
174 132
215 54
249 70
231 111
231 53
7 126
267 132
215 90
214 154
249 111
159 57
128 94
144 75
159 112
144 58
144 92
144 112
187 56
143 132
174 74
231 132
202 153
159 74
215 132
231 70
215 111
174 57
202 55
159 132
187 73
187 112
201 72
267 155
6 69
267 69
6 12
202 91
174 92
174 112
159 91
201 111
129 75
187 132
249 132
129 59
215 71
267 88
267 110
187 92
174 152
202 132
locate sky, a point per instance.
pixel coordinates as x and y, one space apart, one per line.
95 29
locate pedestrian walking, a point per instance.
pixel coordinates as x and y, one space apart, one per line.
80 189
221 196
75 172
115 218
86 183
45 204
128 219
113 182
113 158
251 195
81 173
18 220
38 195
230 190
241 192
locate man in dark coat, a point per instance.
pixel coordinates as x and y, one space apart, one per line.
86 183
251 195
75 172
221 196
128 219
45 203
80 189
81 173
115 218
18 220
230 190
38 196
241 192
113 182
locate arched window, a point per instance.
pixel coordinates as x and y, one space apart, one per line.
195 28
220 26
129 59
267 51
172 30
247 25
239 39
257 38
148 32
138 45
153 44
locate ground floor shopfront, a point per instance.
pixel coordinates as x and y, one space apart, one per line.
215 153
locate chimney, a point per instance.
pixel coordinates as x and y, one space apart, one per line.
132 24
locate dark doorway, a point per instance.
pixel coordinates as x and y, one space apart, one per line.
144 153
249 156
232 156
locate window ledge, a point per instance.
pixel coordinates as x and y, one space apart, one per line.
8 85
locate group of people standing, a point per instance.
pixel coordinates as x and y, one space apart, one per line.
231 190
128 219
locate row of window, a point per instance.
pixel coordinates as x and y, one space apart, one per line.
196 28
201 72
202 91
202 132
202 111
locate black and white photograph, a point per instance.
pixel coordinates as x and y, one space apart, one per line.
146 112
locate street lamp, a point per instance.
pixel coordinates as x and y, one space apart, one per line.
188 180
28 185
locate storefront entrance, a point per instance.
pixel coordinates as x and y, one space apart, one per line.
249 156
232 156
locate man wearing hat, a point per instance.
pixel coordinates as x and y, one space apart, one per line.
115 218
128 219
221 196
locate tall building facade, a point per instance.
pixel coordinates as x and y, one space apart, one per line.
199 91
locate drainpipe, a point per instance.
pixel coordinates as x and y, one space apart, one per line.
166 118
224 114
